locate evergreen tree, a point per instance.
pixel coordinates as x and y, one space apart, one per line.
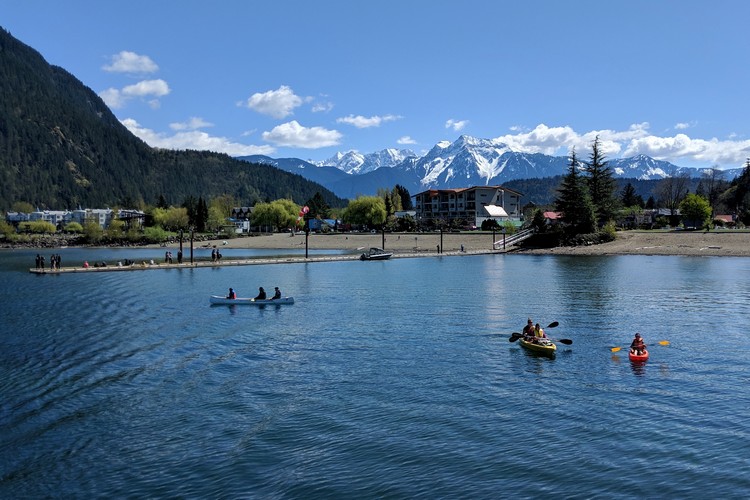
201 215
601 185
406 203
190 204
630 198
318 207
574 201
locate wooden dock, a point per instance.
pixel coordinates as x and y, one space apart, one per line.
148 266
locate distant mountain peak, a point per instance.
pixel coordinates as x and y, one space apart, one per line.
353 162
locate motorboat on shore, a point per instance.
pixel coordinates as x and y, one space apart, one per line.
375 254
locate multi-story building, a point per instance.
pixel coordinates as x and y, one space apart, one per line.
59 218
473 204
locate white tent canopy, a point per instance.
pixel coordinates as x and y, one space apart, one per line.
495 211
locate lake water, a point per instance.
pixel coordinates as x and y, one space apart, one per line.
385 379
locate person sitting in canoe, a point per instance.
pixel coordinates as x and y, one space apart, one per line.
637 346
277 294
538 334
528 330
232 295
261 294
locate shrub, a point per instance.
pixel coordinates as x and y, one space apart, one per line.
154 234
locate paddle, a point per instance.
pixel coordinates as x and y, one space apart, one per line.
661 342
515 335
563 341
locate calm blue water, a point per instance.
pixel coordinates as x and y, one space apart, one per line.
385 379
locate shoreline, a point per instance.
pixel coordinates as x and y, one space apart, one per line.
717 243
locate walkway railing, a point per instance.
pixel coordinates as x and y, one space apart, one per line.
513 239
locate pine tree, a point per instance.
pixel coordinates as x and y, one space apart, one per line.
630 198
601 185
575 202
406 203
201 215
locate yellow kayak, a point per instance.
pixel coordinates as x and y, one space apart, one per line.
541 346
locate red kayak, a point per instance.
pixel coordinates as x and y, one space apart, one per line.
638 357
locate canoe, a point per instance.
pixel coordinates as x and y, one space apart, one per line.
545 346
217 299
638 358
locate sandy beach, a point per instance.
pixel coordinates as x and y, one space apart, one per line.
713 243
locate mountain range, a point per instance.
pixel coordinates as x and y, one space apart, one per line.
468 161
61 147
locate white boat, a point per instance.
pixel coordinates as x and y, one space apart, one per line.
375 254
217 299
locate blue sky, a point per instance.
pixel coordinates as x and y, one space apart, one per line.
669 79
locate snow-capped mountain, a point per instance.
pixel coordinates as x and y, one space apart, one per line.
646 168
356 163
468 161
474 162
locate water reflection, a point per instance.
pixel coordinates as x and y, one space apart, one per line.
638 367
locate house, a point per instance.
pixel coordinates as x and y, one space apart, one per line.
728 220
552 217
59 218
473 205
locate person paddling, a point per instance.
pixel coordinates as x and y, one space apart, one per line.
232 295
261 294
539 332
277 294
637 346
528 330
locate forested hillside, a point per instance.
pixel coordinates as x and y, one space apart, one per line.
61 147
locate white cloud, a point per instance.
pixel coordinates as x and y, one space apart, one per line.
294 135
322 107
681 146
130 62
278 103
196 140
406 140
116 99
157 88
112 98
682 126
364 122
193 123
625 143
456 125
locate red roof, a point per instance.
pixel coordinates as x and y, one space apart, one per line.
552 215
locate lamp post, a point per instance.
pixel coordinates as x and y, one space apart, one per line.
307 233
192 237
